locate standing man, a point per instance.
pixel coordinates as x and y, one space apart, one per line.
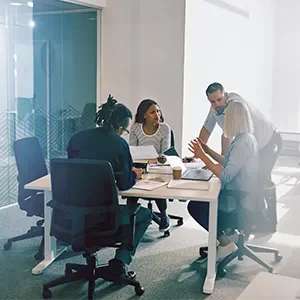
267 136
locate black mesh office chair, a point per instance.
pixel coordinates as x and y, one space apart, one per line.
86 215
31 166
246 220
156 215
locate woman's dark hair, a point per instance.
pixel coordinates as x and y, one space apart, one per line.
142 109
113 115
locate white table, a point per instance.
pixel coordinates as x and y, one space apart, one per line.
211 196
266 286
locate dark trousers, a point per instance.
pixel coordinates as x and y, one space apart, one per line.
142 221
161 203
268 156
200 212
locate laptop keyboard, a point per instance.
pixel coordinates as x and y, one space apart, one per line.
192 174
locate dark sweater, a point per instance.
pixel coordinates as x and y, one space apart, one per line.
102 144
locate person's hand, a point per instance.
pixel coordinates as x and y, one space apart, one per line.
138 172
196 148
204 146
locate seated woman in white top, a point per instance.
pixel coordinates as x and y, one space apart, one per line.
149 129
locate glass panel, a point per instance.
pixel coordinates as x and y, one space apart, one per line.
48 84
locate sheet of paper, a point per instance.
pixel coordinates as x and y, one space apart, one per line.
189 185
148 184
143 152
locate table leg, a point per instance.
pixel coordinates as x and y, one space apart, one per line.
50 251
212 246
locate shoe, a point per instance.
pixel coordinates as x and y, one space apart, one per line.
118 267
164 223
224 251
233 237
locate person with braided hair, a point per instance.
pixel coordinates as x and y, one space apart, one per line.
105 143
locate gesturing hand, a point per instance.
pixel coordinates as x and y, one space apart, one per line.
196 148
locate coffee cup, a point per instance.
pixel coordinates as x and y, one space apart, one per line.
177 173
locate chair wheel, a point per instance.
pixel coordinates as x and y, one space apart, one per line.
139 290
40 223
167 233
39 256
202 252
221 273
180 222
47 294
7 246
270 270
278 257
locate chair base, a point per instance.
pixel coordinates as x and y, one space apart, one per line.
90 273
245 250
34 231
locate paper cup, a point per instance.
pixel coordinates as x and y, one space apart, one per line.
177 173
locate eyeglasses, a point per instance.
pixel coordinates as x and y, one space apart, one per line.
127 131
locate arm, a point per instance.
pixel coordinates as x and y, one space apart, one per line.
225 142
208 126
215 168
133 140
196 147
126 178
216 156
204 134
166 140
72 153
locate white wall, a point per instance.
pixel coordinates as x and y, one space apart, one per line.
286 97
143 54
151 46
230 42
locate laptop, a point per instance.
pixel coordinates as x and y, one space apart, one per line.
189 174
171 152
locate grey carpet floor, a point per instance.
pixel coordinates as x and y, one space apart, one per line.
168 268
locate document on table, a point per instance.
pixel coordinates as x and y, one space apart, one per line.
189 185
149 184
143 152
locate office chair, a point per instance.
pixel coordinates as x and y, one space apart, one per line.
269 186
86 215
31 166
245 221
156 215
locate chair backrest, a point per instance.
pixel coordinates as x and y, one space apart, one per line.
85 199
172 139
29 159
31 165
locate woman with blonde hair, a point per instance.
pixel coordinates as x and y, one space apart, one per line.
237 171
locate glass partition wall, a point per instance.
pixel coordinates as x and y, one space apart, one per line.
48 78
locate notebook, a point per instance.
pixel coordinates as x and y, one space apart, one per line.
143 152
150 184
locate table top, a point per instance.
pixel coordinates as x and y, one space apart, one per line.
44 184
266 286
